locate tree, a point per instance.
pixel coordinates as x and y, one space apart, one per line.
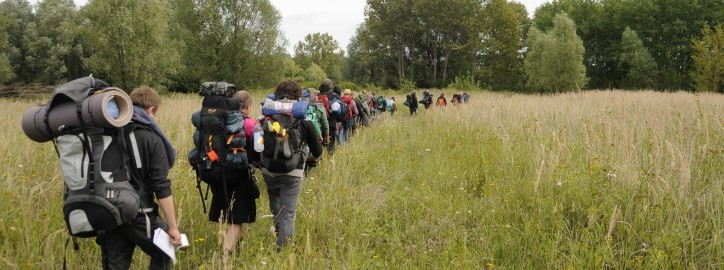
17 15
314 73
558 64
501 63
320 49
236 41
130 45
708 74
6 69
52 44
636 62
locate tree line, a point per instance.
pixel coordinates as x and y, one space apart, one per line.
490 44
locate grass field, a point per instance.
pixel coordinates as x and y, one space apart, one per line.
592 180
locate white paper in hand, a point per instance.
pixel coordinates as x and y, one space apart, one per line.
163 241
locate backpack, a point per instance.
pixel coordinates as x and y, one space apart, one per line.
381 103
338 108
283 145
98 195
324 100
218 148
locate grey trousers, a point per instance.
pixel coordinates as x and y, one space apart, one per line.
283 193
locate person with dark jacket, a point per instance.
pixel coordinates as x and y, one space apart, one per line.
412 103
284 188
152 156
326 90
235 203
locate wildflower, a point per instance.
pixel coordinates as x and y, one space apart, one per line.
200 239
559 184
490 265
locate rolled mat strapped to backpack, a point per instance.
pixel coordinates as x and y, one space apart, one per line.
87 120
295 109
110 108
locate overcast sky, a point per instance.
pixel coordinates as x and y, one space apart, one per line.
338 18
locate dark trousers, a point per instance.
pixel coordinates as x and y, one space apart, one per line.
117 245
332 133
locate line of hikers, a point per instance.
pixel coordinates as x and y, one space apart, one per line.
284 142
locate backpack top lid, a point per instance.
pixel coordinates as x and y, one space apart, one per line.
217 89
78 89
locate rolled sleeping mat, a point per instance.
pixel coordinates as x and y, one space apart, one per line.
295 109
110 108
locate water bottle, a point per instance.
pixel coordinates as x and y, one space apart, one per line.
258 138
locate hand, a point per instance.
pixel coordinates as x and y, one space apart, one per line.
175 236
320 139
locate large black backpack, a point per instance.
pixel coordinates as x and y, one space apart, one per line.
98 195
283 144
217 151
219 119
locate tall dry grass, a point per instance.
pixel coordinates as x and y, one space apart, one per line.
609 179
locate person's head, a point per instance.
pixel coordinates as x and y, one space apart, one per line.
442 94
147 98
327 82
393 98
245 99
348 92
288 89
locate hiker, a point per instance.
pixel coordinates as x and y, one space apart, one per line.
456 99
465 97
283 188
325 96
373 105
426 99
391 106
150 178
411 102
363 106
318 116
235 204
349 118
441 101
381 104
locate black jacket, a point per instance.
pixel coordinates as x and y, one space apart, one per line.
149 165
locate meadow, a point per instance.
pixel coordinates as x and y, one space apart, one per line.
590 180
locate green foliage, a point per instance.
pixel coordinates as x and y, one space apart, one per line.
131 45
52 42
555 60
235 41
348 85
636 61
464 83
407 86
292 71
322 50
501 64
6 71
708 57
314 73
16 16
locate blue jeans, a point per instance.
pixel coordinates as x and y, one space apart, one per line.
283 193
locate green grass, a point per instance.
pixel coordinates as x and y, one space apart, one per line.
614 180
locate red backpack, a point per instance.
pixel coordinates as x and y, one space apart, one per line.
324 100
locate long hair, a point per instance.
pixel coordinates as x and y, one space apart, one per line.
288 89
